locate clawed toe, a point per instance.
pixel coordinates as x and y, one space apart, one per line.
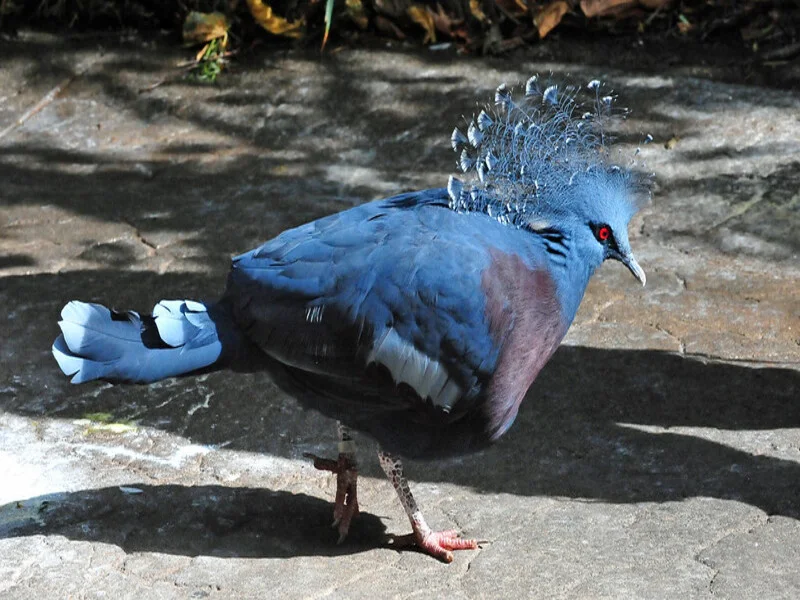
346 504
439 544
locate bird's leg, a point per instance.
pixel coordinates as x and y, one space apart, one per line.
436 543
345 506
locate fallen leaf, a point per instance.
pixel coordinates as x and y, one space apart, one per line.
111 428
516 8
273 23
203 27
599 8
422 16
97 417
386 26
447 25
476 10
103 422
671 142
355 10
199 56
550 16
509 44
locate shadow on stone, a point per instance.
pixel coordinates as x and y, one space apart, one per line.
192 521
597 425
16 260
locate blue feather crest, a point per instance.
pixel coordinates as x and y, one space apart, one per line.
541 156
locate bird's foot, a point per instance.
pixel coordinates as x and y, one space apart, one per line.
345 506
438 544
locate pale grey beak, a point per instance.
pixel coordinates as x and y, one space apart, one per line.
629 261
625 256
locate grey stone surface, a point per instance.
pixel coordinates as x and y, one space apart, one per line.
658 456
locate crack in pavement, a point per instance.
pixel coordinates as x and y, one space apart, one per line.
152 249
677 339
760 520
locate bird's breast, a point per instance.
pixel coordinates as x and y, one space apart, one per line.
525 321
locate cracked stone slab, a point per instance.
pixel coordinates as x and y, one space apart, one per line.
734 575
657 456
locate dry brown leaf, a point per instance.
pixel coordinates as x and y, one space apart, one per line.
672 142
550 16
422 16
598 8
517 8
476 10
198 57
200 27
273 23
386 26
355 10
523 6
447 25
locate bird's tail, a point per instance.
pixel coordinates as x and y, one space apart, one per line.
179 337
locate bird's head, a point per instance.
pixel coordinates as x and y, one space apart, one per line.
542 165
600 214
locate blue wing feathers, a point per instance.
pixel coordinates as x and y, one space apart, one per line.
374 267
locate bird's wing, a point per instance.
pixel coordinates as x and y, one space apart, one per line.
391 285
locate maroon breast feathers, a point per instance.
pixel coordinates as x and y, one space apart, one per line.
525 321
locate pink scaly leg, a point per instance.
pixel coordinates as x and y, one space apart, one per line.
346 468
436 543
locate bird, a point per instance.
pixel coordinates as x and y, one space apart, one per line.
420 320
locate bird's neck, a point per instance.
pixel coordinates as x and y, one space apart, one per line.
569 268
578 273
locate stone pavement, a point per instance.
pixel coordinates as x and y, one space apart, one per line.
657 457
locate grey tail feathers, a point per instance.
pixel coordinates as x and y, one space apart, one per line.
180 336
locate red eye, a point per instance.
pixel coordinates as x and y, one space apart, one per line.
604 233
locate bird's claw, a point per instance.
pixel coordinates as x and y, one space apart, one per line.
345 505
438 544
